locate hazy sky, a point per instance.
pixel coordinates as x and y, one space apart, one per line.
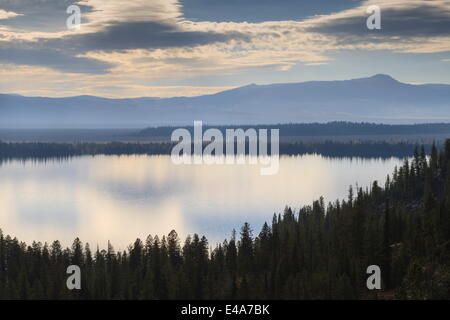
129 48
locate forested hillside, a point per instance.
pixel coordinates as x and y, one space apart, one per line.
320 252
334 128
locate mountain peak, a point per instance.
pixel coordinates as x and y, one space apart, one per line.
383 77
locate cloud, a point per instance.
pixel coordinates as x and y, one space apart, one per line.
113 25
21 54
119 25
403 22
103 12
141 42
139 35
66 53
8 14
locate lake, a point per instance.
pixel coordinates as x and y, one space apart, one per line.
120 198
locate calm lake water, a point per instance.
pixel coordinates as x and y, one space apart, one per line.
116 198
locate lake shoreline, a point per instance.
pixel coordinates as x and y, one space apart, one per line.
354 149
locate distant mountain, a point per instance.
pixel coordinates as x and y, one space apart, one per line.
380 99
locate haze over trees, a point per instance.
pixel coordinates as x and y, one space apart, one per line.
320 252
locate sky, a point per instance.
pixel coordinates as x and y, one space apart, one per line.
165 48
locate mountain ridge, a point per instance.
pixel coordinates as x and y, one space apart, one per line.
379 98
378 76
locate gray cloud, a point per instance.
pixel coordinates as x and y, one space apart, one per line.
22 54
399 23
61 53
424 20
139 35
